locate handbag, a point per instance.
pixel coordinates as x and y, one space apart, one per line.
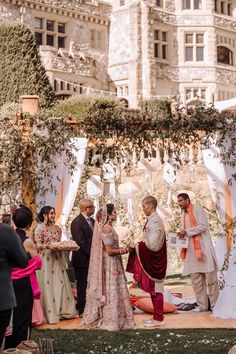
30 346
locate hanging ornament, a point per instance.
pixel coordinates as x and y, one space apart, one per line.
95 189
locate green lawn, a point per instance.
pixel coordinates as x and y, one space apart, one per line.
192 341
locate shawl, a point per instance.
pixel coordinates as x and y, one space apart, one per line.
34 264
153 263
196 238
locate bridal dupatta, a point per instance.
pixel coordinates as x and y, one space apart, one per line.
95 298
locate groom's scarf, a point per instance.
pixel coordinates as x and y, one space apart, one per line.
196 238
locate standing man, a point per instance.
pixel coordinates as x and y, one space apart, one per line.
82 233
149 265
200 258
12 255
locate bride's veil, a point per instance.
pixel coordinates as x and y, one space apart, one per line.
95 298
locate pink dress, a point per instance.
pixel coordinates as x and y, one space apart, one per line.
117 312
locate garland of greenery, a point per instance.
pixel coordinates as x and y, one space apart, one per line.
113 132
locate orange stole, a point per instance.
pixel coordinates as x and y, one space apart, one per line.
196 238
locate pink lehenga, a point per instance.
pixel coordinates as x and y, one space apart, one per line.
107 298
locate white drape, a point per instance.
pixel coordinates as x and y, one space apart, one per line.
221 177
70 183
65 184
222 186
51 195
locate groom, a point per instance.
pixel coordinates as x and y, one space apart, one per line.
150 263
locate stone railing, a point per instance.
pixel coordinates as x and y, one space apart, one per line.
225 22
79 64
189 155
91 7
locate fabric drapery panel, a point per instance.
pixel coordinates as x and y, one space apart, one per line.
64 184
222 186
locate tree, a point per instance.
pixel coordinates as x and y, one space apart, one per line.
22 72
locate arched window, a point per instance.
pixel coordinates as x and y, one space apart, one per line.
224 55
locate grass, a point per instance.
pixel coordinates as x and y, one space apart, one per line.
189 341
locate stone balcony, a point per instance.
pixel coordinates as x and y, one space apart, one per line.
60 60
226 22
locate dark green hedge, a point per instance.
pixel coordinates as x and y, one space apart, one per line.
22 72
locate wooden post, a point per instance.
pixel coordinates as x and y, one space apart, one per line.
31 106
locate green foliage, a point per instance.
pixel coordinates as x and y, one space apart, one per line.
22 72
113 133
104 119
76 107
35 140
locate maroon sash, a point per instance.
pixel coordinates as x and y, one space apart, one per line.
153 263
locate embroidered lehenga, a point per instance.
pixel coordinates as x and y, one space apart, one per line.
56 295
107 299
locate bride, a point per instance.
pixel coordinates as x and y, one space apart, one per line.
107 297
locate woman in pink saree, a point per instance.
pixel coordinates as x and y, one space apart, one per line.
107 297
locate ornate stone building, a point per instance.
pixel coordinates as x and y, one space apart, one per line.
139 49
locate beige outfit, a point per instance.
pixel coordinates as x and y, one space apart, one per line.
57 299
204 271
154 237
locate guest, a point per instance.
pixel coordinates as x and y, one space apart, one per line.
6 219
23 281
56 298
150 263
107 300
200 258
12 254
82 233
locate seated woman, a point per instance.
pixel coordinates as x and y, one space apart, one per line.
24 281
56 298
107 298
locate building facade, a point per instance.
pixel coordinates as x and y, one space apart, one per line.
134 49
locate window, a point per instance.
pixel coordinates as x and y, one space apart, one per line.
159 3
51 33
194 47
96 39
39 38
192 4
224 55
61 42
187 4
160 44
38 23
50 40
194 93
61 28
50 25
224 7
122 2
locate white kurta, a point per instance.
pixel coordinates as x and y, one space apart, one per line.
208 262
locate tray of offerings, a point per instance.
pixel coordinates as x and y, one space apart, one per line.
69 245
